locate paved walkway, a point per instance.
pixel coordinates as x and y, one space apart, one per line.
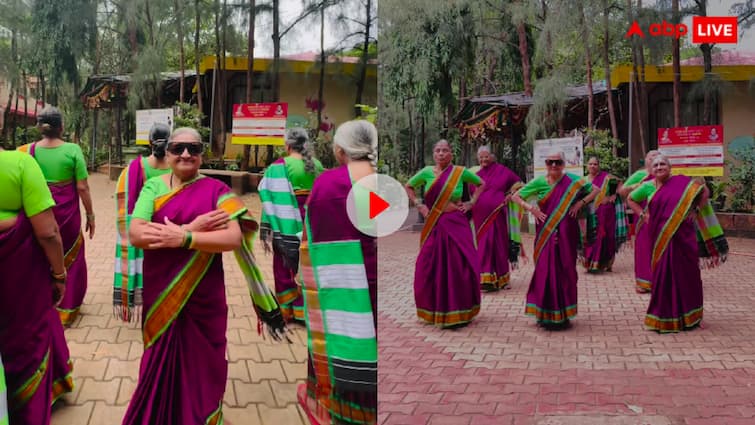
606 369
262 377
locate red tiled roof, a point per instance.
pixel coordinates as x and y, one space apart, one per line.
727 57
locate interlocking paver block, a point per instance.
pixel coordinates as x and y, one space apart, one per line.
591 373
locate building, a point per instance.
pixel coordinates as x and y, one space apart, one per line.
299 86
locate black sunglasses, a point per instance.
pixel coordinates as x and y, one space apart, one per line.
179 148
558 162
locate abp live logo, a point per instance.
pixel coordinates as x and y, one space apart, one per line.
705 29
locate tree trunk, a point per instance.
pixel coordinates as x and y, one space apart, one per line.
321 87
276 64
179 30
218 84
607 64
676 68
197 54
588 66
364 59
223 81
522 33
643 84
635 87
708 68
422 144
249 75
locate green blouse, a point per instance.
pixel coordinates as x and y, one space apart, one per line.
637 177
299 178
644 192
427 176
62 163
539 186
22 185
145 204
150 172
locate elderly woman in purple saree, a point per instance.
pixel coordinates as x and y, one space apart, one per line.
338 267
552 295
30 329
447 273
686 236
183 371
607 223
496 245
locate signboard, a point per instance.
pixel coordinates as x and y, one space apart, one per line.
570 146
694 151
259 124
145 118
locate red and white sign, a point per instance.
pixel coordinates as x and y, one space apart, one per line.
694 151
714 29
259 123
705 29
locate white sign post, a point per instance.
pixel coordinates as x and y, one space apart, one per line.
145 118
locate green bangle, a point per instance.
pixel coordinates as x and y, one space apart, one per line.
187 240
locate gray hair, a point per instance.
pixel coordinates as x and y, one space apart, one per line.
484 148
358 139
661 157
185 130
298 140
556 151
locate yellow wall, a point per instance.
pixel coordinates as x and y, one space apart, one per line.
737 106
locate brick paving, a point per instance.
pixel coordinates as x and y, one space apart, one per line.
262 376
607 369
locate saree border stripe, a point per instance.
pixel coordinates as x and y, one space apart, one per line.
288 295
449 318
172 300
558 214
232 204
216 417
160 201
551 316
25 392
67 316
437 209
64 384
121 201
672 224
491 281
489 220
643 284
73 252
674 324
603 191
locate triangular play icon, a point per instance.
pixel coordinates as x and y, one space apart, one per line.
377 205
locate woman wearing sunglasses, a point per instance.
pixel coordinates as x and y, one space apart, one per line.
183 371
552 295
685 237
447 273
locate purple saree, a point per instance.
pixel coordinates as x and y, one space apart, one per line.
642 251
182 375
446 276
341 386
676 302
491 221
552 295
600 253
30 330
68 215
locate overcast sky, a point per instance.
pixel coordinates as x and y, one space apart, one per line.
305 37
746 41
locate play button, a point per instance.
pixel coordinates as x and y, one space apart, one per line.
377 205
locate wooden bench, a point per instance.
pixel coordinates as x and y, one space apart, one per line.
241 182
